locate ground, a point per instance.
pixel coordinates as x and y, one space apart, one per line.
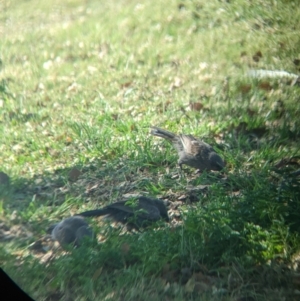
81 82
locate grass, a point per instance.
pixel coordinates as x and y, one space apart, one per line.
80 84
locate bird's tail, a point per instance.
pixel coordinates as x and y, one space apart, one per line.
156 131
96 212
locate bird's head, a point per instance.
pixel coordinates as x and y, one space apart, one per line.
216 162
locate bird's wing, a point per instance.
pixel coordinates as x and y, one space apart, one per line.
190 144
195 146
178 144
113 209
125 206
153 213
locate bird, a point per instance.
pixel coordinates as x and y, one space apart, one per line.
72 230
137 213
191 151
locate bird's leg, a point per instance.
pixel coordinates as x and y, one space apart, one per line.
181 174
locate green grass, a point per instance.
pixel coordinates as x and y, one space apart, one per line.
80 84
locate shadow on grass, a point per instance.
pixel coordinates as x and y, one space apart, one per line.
236 241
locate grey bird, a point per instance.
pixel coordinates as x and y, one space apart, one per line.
136 213
191 151
71 230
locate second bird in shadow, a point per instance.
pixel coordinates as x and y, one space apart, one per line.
136 214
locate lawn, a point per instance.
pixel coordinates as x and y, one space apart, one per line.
81 82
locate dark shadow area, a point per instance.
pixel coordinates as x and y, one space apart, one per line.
222 231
